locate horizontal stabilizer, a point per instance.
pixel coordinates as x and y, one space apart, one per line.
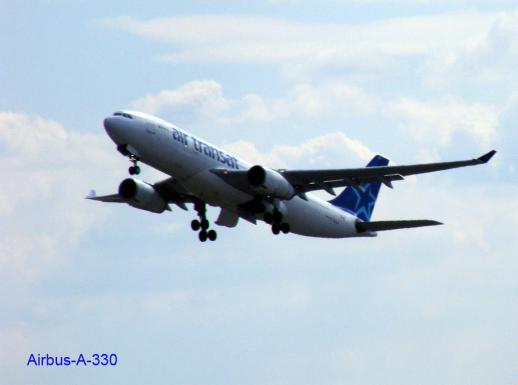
393 225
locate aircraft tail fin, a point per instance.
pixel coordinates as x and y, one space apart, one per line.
360 200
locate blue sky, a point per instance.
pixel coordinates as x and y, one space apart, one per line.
285 84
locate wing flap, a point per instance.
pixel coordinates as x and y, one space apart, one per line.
357 182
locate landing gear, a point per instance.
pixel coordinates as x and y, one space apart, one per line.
202 225
275 220
195 225
135 169
212 235
129 151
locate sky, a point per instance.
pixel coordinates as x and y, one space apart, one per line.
285 84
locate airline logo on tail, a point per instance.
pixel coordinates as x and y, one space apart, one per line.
360 201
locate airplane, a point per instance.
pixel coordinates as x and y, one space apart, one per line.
203 174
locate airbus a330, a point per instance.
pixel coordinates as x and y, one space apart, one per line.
202 174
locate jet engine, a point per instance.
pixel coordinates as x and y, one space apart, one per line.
269 182
142 195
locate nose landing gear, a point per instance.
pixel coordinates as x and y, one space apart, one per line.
202 225
130 152
135 169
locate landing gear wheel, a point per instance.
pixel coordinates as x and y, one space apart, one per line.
134 170
277 216
268 218
202 224
212 235
276 228
285 228
195 225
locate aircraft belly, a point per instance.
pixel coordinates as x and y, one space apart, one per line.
315 219
213 190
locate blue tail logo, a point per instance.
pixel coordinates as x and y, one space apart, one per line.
358 202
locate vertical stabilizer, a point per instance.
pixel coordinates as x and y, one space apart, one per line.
361 201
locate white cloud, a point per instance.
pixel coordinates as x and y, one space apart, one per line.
249 38
323 151
487 61
48 170
436 122
204 99
431 123
508 135
206 96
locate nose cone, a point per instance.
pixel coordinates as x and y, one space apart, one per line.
113 128
109 124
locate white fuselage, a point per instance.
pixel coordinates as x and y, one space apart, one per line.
189 159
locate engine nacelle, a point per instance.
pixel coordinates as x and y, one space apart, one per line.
142 195
269 182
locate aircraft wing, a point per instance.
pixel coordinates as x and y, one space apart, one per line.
112 198
174 192
308 180
317 179
170 189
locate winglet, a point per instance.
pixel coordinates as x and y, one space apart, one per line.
486 157
91 194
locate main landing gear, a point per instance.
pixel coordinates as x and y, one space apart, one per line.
203 224
135 169
275 220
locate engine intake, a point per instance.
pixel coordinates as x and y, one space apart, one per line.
256 176
269 182
141 195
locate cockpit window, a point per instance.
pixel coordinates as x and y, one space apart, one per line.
123 114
